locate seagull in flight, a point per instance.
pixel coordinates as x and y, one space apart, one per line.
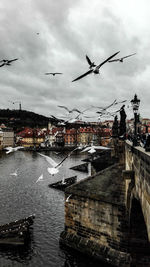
14 173
121 59
96 69
92 64
7 61
81 112
55 165
70 111
67 199
63 180
104 108
12 149
92 149
118 102
52 73
40 178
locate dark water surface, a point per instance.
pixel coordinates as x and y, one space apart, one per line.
21 196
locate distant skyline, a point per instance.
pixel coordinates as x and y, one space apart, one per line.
55 36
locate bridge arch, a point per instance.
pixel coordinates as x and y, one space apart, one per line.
139 246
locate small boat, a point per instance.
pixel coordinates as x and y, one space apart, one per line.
16 232
61 185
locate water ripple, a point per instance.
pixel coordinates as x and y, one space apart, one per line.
21 196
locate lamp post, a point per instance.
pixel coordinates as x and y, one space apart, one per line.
135 104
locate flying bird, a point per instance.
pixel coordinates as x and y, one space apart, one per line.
70 111
14 173
118 102
96 69
2 65
55 165
121 59
63 180
92 149
7 61
92 64
40 178
12 149
104 108
52 73
67 199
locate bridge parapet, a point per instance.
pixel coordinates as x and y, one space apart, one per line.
137 161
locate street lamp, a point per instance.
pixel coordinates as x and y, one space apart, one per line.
135 104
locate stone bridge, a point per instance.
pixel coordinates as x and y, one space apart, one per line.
137 178
108 214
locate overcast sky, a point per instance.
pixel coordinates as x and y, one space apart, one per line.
68 30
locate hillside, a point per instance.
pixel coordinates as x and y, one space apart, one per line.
20 118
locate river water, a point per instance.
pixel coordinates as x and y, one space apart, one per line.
21 196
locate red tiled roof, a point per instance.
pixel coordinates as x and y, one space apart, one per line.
29 132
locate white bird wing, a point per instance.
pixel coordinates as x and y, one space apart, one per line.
68 155
40 178
67 199
86 149
71 120
49 160
8 148
18 147
92 150
101 147
60 163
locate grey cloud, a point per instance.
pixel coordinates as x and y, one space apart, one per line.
68 30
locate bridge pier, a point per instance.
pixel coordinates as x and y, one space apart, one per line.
95 217
108 214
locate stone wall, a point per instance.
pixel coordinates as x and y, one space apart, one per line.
138 160
95 221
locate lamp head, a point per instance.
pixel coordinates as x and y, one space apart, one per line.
135 103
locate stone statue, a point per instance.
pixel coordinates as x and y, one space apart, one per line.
115 127
122 128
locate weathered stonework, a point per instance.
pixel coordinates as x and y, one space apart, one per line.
108 214
95 221
138 161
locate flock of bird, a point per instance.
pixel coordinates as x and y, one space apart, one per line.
92 66
101 111
54 166
95 68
